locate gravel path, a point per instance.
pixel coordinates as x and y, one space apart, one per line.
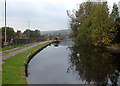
14 49
5 56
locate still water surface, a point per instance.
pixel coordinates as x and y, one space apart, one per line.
74 65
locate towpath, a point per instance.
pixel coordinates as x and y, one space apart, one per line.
15 51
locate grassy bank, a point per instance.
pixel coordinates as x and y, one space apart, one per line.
15 46
0 67
14 67
0 78
114 48
12 46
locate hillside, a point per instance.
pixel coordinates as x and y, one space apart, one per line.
63 32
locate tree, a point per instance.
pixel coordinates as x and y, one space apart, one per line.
45 36
18 34
37 33
92 24
77 17
31 33
103 32
115 16
27 32
115 13
10 33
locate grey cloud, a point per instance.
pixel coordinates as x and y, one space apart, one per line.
45 16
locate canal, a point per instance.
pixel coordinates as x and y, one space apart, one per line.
69 64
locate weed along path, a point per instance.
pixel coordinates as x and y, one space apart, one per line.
12 48
13 71
8 55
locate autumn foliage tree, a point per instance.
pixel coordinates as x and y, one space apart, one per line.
92 23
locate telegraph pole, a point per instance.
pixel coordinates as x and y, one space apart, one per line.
28 25
5 24
28 29
27 40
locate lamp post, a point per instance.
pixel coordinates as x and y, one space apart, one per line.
5 24
28 31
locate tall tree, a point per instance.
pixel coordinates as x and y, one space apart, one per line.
31 33
37 33
116 17
27 33
92 23
9 32
115 13
18 34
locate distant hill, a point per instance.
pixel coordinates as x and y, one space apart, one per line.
62 32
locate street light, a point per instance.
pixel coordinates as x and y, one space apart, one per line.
5 23
28 29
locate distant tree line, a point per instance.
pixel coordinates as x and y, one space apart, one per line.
26 34
52 36
19 37
93 23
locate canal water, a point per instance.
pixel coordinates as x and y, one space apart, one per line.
66 63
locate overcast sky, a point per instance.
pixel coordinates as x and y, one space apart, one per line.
41 14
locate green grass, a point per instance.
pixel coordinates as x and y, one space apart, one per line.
0 78
0 66
14 69
12 46
15 46
0 49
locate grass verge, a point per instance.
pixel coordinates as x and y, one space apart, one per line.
0 77
11 47
15 46
14 68
0 66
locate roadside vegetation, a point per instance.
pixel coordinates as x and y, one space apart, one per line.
95 27
93 23
19 35
0 66
0 77
16 39
14 68
12 46
16 46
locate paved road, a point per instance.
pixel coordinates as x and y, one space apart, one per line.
5 56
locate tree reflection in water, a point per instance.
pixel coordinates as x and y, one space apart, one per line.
94 65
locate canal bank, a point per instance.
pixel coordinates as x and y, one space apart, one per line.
50 66
31 55
114 48
14 68
71 64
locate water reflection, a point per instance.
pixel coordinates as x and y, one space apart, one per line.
56 44
94 65
49 67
